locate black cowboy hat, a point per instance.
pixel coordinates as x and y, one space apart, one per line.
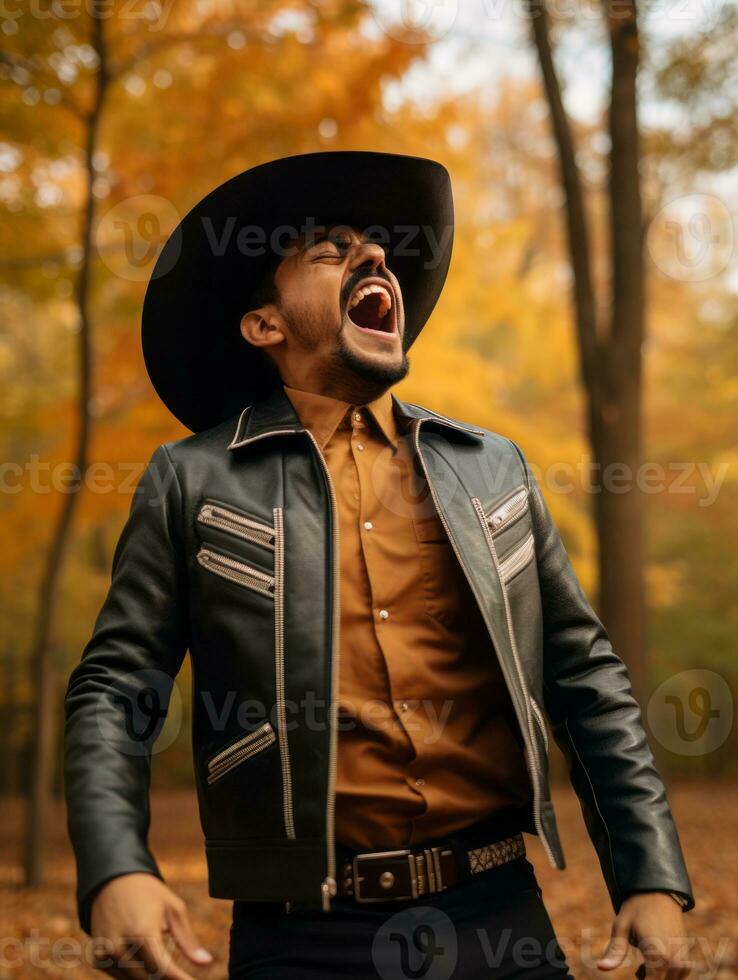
198 361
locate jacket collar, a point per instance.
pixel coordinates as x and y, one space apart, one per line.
275 415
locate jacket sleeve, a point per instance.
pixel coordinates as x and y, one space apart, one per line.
118 695
597 723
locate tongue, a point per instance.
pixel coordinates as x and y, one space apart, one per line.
366 313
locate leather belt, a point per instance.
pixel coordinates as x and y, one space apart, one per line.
387 876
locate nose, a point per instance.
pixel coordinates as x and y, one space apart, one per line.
368 254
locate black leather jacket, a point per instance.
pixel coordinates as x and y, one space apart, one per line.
231 551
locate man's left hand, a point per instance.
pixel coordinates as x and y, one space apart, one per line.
653 922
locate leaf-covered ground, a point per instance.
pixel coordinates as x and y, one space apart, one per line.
40 937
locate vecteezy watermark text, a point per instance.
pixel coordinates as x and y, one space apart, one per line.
254 241
140 703
698 479
153 13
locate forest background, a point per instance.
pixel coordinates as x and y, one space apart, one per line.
117 117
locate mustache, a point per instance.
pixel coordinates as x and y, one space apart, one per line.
356 278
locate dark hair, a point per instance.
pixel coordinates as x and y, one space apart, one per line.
266 290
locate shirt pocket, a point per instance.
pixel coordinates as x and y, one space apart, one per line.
443 583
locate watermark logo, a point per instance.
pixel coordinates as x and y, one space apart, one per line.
691 239
415 21
131 234
691 713
418 943
141 712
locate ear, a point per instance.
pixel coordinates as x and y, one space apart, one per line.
261 327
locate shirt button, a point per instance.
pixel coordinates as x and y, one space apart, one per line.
359 446
420 782
368 525
404 706
357 417
383 614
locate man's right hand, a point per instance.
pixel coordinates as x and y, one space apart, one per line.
137 922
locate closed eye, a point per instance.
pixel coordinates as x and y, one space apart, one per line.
339 245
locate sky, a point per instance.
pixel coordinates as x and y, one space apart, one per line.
478 42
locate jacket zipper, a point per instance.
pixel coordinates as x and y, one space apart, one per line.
241 750
328 887
541 723
518 559
532 753
236 571
234 523
508 512
284 749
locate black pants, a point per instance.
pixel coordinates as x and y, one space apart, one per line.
495 926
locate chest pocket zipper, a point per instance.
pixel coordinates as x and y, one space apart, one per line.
240 750
509 511
236 571
231 521
518 559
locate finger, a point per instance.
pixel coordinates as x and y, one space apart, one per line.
656 956
134 973
181 929
655 968
655 971
679 965
615 953
678 969
159 960
110 971
128 962
107 956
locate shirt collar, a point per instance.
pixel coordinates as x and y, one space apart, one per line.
322 414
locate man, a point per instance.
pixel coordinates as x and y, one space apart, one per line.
379 612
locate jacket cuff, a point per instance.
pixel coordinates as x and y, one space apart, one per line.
683 899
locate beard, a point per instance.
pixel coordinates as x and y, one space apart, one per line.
308 328
365 367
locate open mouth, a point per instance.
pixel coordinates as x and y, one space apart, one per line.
371 307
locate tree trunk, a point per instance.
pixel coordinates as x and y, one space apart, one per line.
577 234
620 515
610 353
13 708
43 679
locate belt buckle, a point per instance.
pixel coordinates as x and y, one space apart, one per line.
378 855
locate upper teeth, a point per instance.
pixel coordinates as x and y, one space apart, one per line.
384 295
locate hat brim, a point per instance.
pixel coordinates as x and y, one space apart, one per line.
202 283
